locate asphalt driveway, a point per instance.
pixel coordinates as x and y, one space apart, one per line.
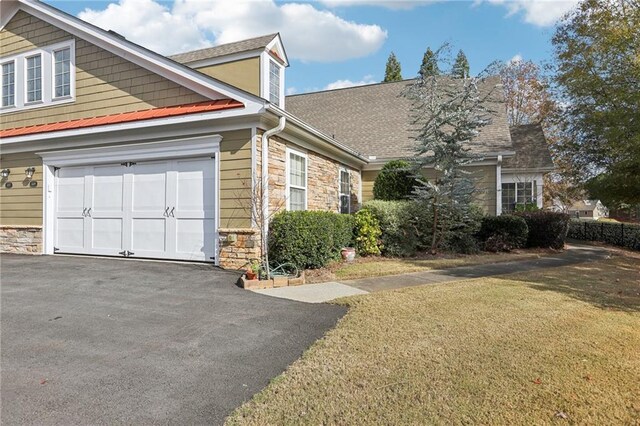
104 341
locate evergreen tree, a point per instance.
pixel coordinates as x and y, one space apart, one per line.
461 66
393 71
429 65
447 115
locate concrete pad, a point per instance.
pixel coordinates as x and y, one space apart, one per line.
312 293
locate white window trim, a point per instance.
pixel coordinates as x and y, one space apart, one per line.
15 74
528 178
26 82
288 186
265 59
340 193
47 77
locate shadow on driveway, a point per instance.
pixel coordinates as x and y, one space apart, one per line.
97 341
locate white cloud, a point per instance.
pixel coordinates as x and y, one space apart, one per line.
309 34
542 13
516 58
149 24
341 84
388 4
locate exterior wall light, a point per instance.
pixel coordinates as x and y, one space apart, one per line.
29 171
5 173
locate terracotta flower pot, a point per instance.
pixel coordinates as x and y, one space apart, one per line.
348 254
251 275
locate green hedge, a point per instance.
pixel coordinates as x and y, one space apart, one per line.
503 233
407 228
546 229
620 234
394 182
309 239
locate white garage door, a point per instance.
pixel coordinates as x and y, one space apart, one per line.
158 209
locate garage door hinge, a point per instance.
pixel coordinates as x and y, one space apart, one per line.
128 164
126 253
56 249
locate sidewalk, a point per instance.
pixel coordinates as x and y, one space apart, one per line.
318 293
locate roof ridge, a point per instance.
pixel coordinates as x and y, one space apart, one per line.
216 46
352 87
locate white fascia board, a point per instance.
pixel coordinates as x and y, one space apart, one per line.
278 46
178 73
378 164
7 10
527 170
142 124
180 148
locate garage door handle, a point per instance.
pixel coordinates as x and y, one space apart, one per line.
89 212
84 211
171 212
166 212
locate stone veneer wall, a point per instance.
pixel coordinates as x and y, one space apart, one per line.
238 246
322 180
20 239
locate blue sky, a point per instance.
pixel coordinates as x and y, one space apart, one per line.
338 43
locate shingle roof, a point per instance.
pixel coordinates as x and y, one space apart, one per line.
224 49
585 205
125 117
530 145
374 119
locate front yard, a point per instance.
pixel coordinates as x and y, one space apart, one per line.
377 266
553 345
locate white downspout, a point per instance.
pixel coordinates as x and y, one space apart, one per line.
265 174
499 186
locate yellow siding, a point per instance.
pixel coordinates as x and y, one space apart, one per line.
244 74
235 179
105 83
485 193
22 204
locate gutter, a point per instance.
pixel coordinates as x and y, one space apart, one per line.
265 175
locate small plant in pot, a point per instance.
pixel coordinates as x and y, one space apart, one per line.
253 271
348 254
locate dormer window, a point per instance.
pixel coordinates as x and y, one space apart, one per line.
274 83
39 77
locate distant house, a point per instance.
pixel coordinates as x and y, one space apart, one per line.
588 209
111 149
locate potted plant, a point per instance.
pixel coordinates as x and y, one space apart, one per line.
348 254
253 271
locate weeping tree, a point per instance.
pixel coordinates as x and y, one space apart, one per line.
446 114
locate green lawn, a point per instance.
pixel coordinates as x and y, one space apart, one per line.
366 267
518 349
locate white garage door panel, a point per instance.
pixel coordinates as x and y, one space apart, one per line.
157 209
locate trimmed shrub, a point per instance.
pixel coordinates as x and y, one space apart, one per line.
394 182
546 229
399 235
367 233
407 228
620 234
309 239
503 233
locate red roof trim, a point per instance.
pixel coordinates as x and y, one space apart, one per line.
125 117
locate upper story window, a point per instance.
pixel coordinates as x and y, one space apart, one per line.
296 180
62 72
345 191
39 77
8 84
274 83
34 78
